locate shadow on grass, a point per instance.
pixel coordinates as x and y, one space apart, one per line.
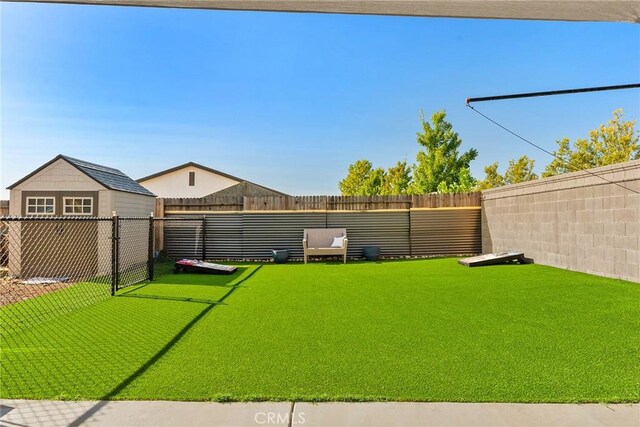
183 299
96 348
142 369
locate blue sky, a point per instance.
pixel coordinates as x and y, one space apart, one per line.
290 100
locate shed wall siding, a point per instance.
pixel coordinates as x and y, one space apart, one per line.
105 202
15 202
129 204
176 184
60 176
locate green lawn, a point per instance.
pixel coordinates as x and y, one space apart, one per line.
427 330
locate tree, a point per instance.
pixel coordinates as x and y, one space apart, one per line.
465 183
562 161
373 184
396 180
492 178
362 179
614 142
438 161
520 170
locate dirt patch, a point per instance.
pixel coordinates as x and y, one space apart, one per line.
13 291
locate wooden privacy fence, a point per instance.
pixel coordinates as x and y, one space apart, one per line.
4 208
434 224
204 205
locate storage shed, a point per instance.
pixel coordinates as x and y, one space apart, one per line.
68 187
65 186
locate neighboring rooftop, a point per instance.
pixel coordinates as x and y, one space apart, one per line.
246 188
242 184
111 178
186 165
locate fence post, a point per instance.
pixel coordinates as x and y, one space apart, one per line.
150 262
204 237
114 253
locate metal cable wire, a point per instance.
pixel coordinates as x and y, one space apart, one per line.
545 150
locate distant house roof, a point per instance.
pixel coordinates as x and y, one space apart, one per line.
195 165
246 188
111 178
214 171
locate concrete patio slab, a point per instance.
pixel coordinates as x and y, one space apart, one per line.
466 414
35 413
16 413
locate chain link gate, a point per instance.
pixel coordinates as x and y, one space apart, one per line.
133 251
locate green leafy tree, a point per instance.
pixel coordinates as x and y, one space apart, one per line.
520 170
362 179
614 142
373 184
439 160
396 180
562 161
464 184
357 176
492 178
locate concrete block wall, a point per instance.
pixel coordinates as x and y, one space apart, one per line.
576 221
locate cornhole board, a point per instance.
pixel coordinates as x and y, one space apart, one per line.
196 266
492 259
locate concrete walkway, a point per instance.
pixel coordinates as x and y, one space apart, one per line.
17 413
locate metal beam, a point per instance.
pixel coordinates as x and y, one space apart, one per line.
552 93
555 10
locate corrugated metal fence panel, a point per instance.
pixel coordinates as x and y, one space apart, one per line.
183 238
224 236
265 231
445 232
388 230
397 233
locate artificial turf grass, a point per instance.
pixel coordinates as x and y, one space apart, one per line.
428 330
97 350
414 330
187 287
28 313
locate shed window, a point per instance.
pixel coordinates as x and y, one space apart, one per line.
78 205
192 179
41 205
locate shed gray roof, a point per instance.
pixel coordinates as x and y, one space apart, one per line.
111 178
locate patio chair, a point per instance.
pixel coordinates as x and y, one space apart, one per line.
325 241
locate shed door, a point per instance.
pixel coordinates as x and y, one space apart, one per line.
59 248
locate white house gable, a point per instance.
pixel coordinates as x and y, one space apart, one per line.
190 181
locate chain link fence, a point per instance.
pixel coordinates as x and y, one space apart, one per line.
68 263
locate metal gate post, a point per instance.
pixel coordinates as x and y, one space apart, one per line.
204 238
150 262
114 253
